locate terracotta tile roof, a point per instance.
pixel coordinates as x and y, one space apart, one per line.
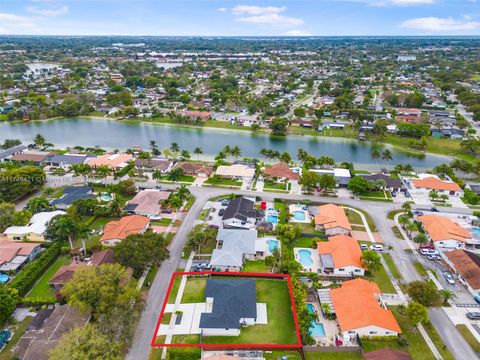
9 249
125 226
386 354
101 257
344 249
467 264
331 215
111 160
441 228
64 274
35 157
281 170
194 168
356 306
436 184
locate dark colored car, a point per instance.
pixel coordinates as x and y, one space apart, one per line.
167 211
434 209
394 194
221 212
213 226
473 315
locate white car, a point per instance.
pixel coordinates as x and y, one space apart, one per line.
376 247
449 277
364 246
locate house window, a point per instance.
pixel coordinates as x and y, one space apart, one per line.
373 332
357 270
341 269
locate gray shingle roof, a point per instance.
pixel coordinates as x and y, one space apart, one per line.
232 301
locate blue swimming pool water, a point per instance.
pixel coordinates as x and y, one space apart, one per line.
317 329
476 230
311 308
272 244
299 215
106 197
272 218
4 278
305 257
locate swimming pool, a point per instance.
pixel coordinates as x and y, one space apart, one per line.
4 278
272 244
305 257
299 215
316 329
271 218
311 308
476 230
106 197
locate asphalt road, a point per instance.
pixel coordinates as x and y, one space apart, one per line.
377 210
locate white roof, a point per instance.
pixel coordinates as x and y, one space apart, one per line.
336 172
37 225
235 170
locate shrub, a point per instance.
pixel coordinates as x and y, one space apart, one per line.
27 277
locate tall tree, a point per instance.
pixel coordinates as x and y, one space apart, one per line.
198 151
39 140
417 313
371 260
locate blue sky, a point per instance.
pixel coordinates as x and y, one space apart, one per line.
232 18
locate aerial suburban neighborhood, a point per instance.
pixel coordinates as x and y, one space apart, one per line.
239 198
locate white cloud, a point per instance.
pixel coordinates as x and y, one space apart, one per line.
12 24
48 12
222 9
264 15
434 24
400 2
297 33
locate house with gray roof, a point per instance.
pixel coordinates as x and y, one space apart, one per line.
67 160
230 305
241 214
72 194
233 247
7 153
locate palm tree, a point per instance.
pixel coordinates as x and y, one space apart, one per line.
302 155
433 195
375 155
67 227
236 152
103 171
157 175
39 140
326 161
183 192
227 150
154 147
115 207
326 309
285 158
264 152
403 219
185 155
447 295
407 207
81 169
174 148
387 156
198 151
410 227
166 152
175 175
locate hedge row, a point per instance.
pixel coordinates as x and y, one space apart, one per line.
29 275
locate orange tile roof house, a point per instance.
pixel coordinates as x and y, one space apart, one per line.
194 169
116 231
360 310
444 232
113 161
341 255
14 254
466 265
280 171
333 220
434 183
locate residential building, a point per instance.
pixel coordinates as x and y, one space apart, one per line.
162 165
444 232
13 255
36 228
34 157
332 219
391 184
113 161
116 231
64 274
233 247
342 176
72 194
466 265
360 310
67 160
241 214
281 172
147 202
434 183
235 171
341 255
197 169
8 153
231 304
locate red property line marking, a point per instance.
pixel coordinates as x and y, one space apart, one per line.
298 345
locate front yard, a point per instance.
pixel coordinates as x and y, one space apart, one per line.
269 184
220 181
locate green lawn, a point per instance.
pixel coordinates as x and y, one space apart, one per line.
379 194
268 184
174 290
280 328
393 268
306 242
100 222
161 222
420 268
437 340
41 289
469 338
255 266
475 77
309 229
293 355
216 180
397 233
383 281
149 278
166 318
281 207
19 328
392 214
194 290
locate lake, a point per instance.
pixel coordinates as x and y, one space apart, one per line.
115 134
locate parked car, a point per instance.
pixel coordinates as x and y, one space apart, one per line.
473 315
424 251
364 246
427 246
417 213
449 277
225 202
376 247
221 212
434 209
394 193
166 211
433 257
213 226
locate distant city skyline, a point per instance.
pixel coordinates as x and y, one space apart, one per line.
240 18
